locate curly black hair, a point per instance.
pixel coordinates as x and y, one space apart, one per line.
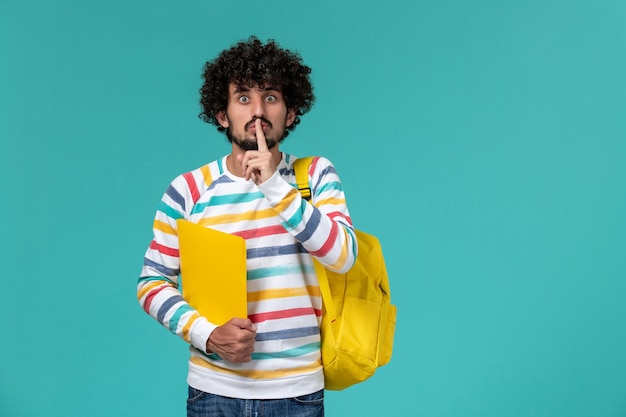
249 63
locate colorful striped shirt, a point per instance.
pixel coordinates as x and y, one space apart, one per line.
282 231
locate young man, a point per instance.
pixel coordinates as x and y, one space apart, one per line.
268 363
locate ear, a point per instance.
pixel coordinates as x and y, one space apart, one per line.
222 119
291 116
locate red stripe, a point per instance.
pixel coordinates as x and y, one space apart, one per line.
149 297
191 182
313 165
262 231
164 249
339 214
328 245
284 314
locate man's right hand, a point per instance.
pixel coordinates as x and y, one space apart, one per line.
233 341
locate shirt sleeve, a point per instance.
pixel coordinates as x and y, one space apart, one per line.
158 288
322 226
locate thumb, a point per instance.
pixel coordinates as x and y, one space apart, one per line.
245 324
250 326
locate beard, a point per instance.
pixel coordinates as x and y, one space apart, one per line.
250 144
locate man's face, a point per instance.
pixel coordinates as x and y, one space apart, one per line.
245 105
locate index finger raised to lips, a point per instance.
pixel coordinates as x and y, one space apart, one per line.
260 136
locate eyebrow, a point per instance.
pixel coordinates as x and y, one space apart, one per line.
244 88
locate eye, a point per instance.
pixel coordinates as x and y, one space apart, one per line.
271 99
244 99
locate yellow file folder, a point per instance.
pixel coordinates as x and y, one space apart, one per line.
213 272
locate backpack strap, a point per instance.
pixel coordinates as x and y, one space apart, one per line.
301 168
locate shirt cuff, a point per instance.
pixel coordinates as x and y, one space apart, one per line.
200 332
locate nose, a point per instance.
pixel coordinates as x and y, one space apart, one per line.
258 108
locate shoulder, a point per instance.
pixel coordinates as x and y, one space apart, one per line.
322 167
192 184
316 163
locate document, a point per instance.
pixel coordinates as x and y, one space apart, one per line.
213 271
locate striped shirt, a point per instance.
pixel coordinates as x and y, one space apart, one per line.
281 231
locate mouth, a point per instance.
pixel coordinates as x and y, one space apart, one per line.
265 125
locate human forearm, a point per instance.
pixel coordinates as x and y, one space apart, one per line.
160 298
323 227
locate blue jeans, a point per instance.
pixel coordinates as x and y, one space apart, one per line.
202 404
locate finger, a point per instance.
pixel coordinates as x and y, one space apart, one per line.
248 325
245 168
260 136
243 323
251 326
240 322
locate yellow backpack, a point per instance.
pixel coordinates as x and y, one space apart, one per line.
359 320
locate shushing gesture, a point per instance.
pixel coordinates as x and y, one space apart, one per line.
259 165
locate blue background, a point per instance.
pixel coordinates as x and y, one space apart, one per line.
483 142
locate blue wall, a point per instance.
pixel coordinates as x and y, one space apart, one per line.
483 142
